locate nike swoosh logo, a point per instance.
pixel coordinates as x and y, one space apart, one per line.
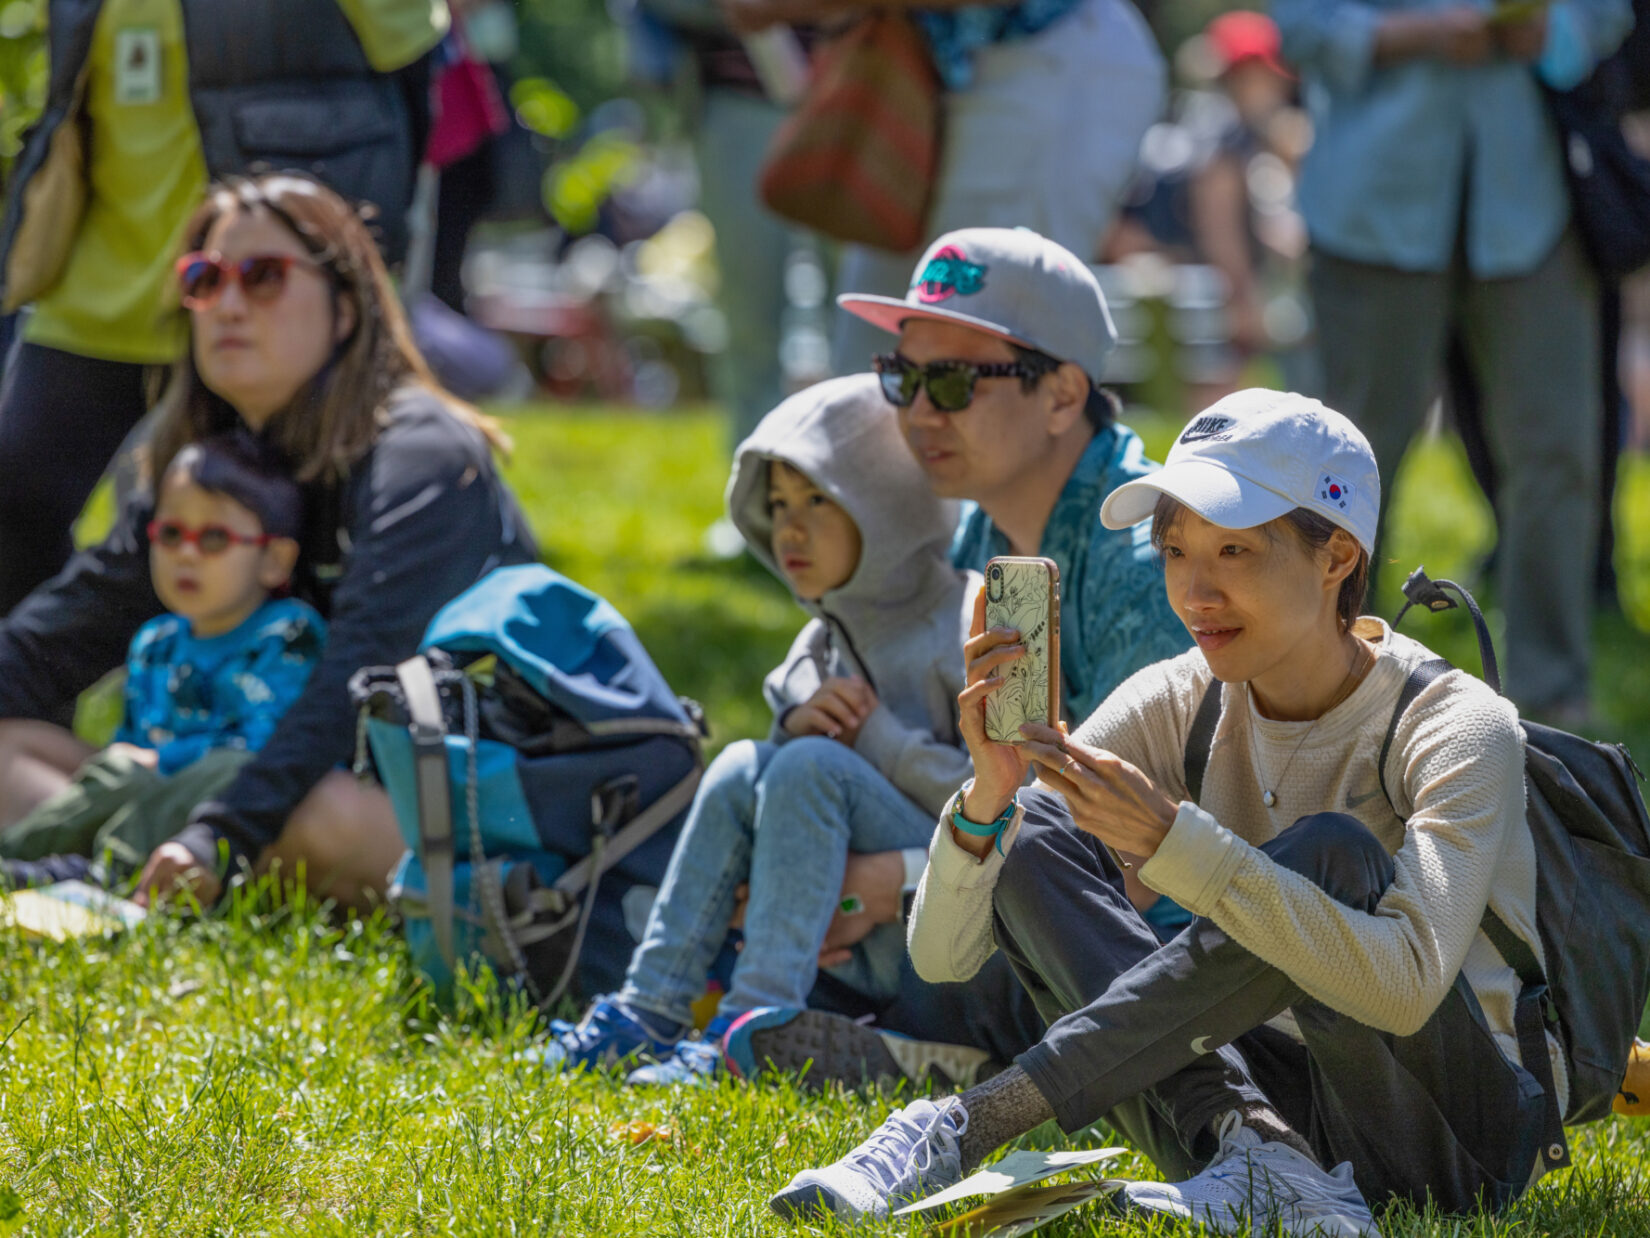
1200 1045
1358 801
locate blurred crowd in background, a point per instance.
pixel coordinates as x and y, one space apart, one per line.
599 209
587 222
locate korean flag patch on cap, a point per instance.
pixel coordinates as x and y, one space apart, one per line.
1335 491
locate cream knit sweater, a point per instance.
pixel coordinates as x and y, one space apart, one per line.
1456 775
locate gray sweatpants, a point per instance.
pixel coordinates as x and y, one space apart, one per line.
1160 1040
1533 343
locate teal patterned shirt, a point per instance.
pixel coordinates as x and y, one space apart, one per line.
187 695
954 35
1114 612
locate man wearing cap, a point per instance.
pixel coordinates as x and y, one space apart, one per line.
1003 337
1335 1028
1032 442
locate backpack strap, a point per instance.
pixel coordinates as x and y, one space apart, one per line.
1515 952
1534 1013
435 804
1420 678
609 850
1534 1016
1421 590
1200 740
611 728
607 847
1513 949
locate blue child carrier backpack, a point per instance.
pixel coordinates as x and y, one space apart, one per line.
540 769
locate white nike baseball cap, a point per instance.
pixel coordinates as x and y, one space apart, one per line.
1253 457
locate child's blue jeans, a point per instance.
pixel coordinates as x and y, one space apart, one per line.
783 818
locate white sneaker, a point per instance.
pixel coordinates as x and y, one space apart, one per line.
1253 1183
912 1154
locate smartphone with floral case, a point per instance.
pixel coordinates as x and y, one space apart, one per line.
1024 594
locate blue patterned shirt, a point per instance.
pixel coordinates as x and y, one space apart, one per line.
186 695
954 35
1114 611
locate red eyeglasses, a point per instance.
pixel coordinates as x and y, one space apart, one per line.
202 277
209 539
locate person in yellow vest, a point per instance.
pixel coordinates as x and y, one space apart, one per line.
148 100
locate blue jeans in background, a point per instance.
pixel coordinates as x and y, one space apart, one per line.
783 818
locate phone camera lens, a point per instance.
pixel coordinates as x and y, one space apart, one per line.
996 573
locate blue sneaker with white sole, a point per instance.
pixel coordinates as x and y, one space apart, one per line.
695 1064
610 1033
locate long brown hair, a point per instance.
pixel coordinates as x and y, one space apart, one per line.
335 416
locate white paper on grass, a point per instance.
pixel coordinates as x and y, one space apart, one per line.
1015 1169
1018 1212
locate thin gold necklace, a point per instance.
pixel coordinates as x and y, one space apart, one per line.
1270 797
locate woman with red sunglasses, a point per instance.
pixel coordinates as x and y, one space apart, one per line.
296 335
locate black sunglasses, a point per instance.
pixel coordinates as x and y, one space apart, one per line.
950 384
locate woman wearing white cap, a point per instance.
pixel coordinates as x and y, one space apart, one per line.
1334 1029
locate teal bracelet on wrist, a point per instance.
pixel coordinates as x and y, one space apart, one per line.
974 829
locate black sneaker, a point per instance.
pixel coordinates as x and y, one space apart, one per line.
823 1048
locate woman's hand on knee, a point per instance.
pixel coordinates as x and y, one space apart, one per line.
1108 797
999 769
172 870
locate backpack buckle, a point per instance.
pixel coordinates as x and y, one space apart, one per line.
614 803
696 715
1421 591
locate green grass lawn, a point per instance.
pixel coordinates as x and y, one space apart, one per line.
270 1071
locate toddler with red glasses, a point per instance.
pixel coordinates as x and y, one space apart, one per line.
205 683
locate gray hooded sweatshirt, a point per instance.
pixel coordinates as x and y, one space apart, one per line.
900 620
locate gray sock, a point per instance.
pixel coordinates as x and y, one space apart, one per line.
1268 1123
1004 1107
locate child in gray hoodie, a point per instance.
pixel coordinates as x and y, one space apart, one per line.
864 750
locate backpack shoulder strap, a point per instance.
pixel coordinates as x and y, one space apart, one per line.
643 826
1200 741
605 852
435 805
1513 949
1420 677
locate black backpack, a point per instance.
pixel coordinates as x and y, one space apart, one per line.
1592 851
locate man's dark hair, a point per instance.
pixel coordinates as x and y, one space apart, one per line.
1102 408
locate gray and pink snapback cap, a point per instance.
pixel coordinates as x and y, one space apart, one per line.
1008 282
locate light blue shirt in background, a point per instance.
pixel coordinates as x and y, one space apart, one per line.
1404 154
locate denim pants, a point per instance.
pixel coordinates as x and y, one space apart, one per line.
1161 1040
783 818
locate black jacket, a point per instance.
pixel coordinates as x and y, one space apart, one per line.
420 518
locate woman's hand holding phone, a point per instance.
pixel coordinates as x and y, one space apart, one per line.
999 769
1108 797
